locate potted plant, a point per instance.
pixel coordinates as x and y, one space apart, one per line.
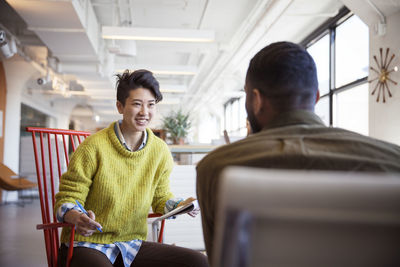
177 124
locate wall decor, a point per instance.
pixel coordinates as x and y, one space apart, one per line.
383 72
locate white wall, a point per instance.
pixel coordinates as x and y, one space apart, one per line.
19 74
15 81
384 122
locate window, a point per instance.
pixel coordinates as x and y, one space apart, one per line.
352 51
340 49
322 109
320 53
32 117
350 107
235 117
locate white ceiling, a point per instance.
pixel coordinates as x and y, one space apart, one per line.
71 30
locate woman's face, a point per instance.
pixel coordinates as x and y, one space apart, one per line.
139 109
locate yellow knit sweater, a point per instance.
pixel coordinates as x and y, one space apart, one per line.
119 186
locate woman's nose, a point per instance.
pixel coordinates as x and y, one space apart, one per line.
143 110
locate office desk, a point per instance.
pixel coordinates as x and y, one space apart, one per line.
189 154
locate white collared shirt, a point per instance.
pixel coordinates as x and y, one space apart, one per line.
117 129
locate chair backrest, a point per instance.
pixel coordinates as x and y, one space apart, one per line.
307 218
49 167
50 147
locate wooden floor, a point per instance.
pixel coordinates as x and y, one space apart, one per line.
20 243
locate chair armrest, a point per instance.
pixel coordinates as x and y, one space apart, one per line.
49 226
153 215
46 226
155 228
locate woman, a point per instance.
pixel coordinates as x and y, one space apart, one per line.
117 174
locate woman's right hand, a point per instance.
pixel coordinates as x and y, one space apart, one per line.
84 225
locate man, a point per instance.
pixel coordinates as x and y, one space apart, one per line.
281 91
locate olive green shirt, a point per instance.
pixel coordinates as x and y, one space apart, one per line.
294 140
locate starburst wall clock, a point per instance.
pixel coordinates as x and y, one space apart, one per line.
383 71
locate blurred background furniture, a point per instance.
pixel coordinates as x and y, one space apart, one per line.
307 218
10 181
189 154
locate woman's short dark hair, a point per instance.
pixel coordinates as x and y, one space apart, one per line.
138 79
283 69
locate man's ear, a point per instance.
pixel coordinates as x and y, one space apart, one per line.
257 101
120 107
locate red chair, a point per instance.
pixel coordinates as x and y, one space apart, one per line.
49 169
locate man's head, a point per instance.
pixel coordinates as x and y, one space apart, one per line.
137 95
281 77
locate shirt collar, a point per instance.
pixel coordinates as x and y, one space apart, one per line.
294 117
121 138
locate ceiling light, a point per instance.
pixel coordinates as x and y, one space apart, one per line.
173 88
157 34
170 102
172 91
103 97
163 69
165 72
173 72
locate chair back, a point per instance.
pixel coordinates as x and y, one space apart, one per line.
50 147
307 218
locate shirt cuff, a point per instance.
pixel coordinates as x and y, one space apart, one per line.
172 204
64 209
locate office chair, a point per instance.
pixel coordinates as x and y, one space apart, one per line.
50 163
307 218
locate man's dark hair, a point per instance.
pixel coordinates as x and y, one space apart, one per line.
285 73
138 79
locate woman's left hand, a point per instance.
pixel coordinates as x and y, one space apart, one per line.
196 209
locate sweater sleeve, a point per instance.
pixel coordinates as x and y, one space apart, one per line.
162 192
76 181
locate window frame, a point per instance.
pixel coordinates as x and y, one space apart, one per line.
240 126
329 27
